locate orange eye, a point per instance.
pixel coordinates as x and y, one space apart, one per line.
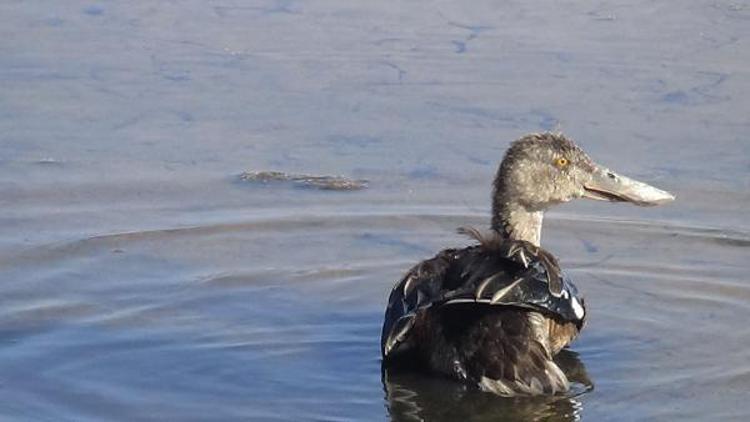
561 162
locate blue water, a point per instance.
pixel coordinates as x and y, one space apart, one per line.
141 280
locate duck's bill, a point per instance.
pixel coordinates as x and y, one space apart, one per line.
607 185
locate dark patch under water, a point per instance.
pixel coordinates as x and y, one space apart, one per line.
304 180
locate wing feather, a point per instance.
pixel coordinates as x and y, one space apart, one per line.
418 289
495 272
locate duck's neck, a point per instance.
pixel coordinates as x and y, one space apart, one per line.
514 221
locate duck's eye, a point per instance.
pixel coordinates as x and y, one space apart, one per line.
562 162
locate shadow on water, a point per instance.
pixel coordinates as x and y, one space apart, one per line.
414 396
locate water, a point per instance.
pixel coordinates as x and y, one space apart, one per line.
142 280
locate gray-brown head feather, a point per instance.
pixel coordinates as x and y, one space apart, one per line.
530 179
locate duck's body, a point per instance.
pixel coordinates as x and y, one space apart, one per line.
495 314
486 315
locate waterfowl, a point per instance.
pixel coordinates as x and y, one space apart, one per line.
494 314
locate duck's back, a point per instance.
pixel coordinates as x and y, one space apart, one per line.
493 315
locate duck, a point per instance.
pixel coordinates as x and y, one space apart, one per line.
493 315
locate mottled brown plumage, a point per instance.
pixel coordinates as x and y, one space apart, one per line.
486 315
495 314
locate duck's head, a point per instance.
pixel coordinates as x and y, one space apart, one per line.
541 170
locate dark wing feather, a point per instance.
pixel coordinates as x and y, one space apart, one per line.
495 272
418 289
513 273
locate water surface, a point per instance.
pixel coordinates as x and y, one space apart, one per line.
141 280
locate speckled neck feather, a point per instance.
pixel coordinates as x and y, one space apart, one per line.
513 221
510 218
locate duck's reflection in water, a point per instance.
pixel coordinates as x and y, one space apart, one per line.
414 396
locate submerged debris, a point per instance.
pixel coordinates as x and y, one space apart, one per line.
304 180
